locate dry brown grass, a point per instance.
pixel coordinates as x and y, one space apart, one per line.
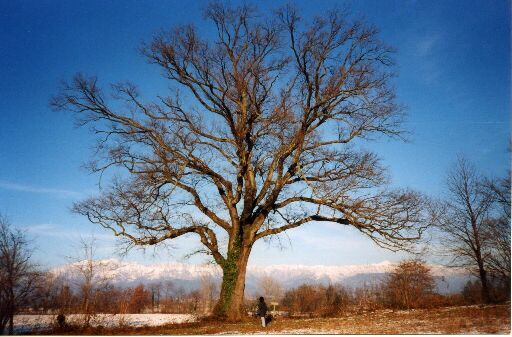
493 319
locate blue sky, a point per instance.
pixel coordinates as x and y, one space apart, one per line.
453 61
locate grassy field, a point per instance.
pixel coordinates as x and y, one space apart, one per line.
492 319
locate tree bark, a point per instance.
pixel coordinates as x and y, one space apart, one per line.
230 304
486 296
11 323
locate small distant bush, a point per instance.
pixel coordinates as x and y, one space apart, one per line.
61 321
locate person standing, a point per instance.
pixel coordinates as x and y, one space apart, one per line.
262 310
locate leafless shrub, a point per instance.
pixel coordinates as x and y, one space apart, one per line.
410 285
140 298
316 300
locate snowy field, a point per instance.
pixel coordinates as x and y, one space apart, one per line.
27 323
473 319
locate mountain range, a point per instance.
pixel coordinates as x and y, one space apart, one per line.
188 276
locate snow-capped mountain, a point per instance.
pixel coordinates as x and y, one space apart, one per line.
189 275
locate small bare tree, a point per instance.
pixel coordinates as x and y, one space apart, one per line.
65 300
89 275
270 288
18 275
140 298
156 290
409 285
254 138
209 292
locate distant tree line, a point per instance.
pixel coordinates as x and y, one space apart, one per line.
410 285
59 297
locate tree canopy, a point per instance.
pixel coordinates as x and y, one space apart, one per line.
254 138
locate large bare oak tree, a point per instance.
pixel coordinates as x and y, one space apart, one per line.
254 138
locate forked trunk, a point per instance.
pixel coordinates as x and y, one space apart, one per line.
231 302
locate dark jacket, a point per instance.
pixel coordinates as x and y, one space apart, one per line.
262 309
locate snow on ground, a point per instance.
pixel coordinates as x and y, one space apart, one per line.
311 332
27 323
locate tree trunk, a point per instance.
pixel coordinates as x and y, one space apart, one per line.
230 304
11 323
485 293
4 319
486 297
